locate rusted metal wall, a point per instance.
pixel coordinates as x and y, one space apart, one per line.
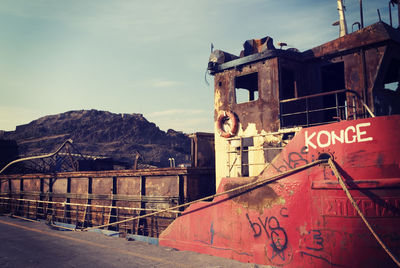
202 148
359 62
387 101
102 197
264 112
360 69
255 117
362 53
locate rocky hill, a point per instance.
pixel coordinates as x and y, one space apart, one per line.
120 136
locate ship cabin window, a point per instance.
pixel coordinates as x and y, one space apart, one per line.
334 104
326 104
291 109
246 88
329 105
387 96
332 77
392 76
288 89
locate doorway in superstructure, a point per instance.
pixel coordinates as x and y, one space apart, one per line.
333 79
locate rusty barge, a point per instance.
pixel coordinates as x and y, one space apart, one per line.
307 164
75 193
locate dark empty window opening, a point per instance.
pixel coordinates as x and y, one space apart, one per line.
246 88
288 90
387 96
332 77
392 76
245 162
293 111
316 109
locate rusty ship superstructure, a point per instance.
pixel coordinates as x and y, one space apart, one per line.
308 142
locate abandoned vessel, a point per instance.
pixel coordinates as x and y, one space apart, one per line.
307 169
307 155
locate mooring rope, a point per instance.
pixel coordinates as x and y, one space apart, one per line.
258 183
353 202
246 187
63 204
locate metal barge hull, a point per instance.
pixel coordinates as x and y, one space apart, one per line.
305 219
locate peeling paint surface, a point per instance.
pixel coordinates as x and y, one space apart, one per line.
258 199
305 218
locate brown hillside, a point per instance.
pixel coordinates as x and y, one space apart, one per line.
101 133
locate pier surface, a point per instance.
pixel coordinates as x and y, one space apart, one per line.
35 244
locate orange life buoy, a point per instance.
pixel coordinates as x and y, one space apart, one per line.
223 118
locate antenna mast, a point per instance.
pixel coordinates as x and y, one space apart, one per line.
342 18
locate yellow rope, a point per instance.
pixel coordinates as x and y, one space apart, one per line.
353 202
83 205
246 187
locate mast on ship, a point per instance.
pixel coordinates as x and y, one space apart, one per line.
342 18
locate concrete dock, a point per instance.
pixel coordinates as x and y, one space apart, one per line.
36 244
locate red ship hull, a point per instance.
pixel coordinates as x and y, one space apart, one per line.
305 219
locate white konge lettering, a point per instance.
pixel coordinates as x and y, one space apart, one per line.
325 138
347 136
360 133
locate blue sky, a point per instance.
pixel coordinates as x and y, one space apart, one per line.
149 57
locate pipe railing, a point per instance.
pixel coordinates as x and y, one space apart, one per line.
309 116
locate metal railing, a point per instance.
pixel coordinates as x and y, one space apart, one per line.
323 108
295 113
238 156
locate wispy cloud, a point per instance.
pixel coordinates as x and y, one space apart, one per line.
152 21
186 120
189 125
176 112
166 83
